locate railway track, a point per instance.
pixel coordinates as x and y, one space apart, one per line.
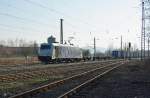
29 74
24 75
81 91
61 88
16 68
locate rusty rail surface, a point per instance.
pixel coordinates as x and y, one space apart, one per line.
76 89
50 86
27 74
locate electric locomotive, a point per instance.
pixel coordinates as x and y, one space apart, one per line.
55 52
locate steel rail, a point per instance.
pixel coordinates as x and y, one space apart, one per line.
49 86
88 82
28 74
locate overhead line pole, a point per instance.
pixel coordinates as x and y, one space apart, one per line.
121 47
148 46
94 49
145 27
143 33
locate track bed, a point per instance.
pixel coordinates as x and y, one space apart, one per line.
128 81
20 79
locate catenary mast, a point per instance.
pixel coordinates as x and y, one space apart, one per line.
145 28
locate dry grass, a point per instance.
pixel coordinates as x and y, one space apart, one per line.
147 61
18 60
11 88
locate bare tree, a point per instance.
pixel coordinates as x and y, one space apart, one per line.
35 46
18 47
10 43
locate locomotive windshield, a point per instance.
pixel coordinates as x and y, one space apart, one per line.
45 47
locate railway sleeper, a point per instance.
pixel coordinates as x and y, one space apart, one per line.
13 78
78 96
23 74
8 78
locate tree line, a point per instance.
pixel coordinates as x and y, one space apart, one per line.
17 48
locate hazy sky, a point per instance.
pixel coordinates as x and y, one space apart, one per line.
107 20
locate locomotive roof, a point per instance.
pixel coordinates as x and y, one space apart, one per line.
64 45
58 44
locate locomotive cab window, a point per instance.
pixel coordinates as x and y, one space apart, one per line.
45 46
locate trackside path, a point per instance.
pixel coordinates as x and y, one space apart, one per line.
129 81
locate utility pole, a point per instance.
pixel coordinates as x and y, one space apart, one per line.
121 48
148 47
124 51
129 50
142 32
145 26
94 49
61 31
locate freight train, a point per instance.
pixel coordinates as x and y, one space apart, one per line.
55 52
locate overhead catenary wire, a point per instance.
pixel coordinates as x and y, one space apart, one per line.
20 28
16 30
8 29
36 22
93 28
24 19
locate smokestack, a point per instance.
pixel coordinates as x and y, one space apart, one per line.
61 31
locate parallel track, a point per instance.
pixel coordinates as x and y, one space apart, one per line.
73 93
73 83
27 74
